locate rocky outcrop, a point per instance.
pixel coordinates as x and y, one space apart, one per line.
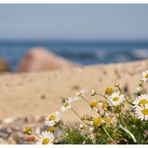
4 66
39 59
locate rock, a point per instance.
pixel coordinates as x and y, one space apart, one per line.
9 120
29 119
12 132
18 137
29 138
10 140
41 119
2 141
4 66
4 134
39 59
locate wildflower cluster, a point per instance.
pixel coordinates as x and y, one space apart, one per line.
116 117
52 132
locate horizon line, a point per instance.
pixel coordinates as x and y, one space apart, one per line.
73 40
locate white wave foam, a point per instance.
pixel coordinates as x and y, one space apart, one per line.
100 53
140 53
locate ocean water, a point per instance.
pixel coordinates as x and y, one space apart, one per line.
83 52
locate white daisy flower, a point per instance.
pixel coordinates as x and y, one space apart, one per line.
53 118
55 130
145 76
141 100
71 100
142 112
81 93
103 105
116 99
46 138
93 105
66 105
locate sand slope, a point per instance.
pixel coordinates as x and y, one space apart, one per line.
41 93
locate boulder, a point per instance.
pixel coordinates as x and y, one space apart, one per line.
39 59
4 66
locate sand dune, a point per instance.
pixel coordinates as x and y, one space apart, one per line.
42 92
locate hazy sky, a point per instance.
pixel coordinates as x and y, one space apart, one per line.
99 22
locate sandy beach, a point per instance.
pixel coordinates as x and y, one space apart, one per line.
41 93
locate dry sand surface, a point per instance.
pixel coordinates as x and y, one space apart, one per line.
41 93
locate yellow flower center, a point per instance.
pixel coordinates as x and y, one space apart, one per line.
104 105
104 119
143 102
51 129
45 141
28 130
145 111
108 90
52 117
116 99
109 120
97 122
146 76
93 103
66 104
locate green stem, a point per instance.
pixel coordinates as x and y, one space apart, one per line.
128 132
75 113
121 117
78 116
124 95
107 133
101 95
34 134
86 101
89 105
60 127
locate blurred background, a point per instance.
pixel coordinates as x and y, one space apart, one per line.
82 33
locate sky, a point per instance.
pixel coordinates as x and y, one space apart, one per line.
74 22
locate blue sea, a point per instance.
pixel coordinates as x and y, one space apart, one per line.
83 52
